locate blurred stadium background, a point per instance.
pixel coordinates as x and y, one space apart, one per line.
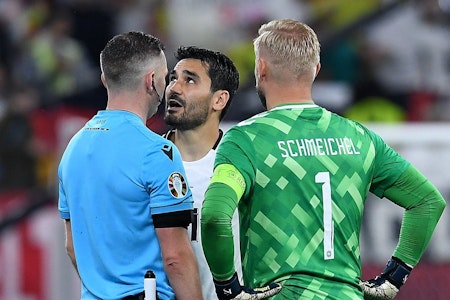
385 63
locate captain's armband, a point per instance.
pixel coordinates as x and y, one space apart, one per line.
229 175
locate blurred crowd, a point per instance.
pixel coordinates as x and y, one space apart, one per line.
382 61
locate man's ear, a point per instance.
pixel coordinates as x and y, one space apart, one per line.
317 70
221 98
149 81
261 69
102 78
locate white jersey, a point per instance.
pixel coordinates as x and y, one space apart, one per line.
199 174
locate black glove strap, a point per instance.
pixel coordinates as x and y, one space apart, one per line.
228 289
396 272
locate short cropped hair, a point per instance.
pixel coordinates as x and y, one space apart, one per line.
289 44
126 58
220 69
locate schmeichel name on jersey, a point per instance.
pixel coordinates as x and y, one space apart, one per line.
317 147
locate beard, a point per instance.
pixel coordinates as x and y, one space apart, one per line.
262 97
193 115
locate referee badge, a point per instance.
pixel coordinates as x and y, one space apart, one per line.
177 185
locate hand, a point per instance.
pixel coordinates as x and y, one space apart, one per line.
387 285
232 289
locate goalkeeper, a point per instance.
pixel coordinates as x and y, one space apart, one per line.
299 176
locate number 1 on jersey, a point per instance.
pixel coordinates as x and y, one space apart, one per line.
328 226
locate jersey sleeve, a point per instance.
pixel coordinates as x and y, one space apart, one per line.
225 190
217 213
423 207
237 149
166 180
397 180
388 165
62 202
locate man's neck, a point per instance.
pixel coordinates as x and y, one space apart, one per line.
194 144
133 102
288 94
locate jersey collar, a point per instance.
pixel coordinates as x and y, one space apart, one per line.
295 106
168 135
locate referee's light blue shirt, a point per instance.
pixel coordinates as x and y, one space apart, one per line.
114 174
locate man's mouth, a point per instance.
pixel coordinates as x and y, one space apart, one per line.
173 104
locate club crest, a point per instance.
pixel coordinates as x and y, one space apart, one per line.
177 185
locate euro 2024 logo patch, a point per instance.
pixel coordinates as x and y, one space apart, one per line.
177 185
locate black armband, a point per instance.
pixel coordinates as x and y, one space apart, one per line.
173 219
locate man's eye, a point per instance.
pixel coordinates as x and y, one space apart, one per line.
190 80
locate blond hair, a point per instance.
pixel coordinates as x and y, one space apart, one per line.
288 45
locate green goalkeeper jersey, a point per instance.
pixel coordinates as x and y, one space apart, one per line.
307 173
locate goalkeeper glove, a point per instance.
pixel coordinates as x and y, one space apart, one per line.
387 285
232 289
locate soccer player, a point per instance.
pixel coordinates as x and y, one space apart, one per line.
200 90
123 192
299 176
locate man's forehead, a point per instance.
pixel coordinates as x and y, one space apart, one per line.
192 66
